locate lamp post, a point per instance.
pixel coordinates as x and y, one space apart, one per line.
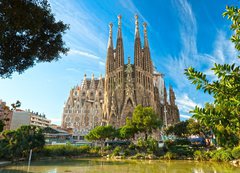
165 114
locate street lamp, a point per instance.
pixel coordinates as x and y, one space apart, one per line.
165 114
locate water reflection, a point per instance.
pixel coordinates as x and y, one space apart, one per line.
121 166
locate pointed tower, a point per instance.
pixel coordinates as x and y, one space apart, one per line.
165 96
119 59
138 62
147 66
92 84
147 74
84 83
171 96
137 45
110 57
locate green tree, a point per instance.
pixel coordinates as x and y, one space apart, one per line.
179 129
194 127
101 134
187 128
223 115
18 143
145 120
29 34
127 132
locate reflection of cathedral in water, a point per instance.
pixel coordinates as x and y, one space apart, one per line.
112 99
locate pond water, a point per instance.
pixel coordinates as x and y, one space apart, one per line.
120 166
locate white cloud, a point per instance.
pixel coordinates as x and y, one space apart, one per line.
185 116
72 70
85 26
102 63
129 5
83 53
185 103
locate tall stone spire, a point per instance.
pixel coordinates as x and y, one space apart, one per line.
171 96
119 27
110 41
137 45
137 35
110 58
147 62
84 83
119 58
145 34
92 84
100 83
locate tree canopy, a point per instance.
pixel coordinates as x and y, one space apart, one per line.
101 133
187 128
223 115
145 120
29 34
17 143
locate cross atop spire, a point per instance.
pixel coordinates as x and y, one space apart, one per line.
110 41
119 26
136 27
145 34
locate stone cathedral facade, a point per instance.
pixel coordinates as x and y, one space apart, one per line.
112 99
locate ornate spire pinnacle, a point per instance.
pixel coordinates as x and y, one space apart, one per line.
145 34
119 26
92 84
84 83
110 42
128 60
136 27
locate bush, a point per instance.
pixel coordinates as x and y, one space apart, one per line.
182 142
222 155
168 143
107 148
199 155
236 152
65 150
152 145
132 146
126 152
169 156
116 151
138 156
94 150
181 151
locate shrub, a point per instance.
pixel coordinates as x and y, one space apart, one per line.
65 150
222 155
132 146
168 143
152 145
183 141
236 152
116 151
181 151
199 155
107 148
169 156
126 152
138 156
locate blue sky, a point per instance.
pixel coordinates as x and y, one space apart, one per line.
181 34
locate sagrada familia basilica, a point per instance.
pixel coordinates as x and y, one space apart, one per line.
110 100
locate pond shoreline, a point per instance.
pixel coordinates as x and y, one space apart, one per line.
235 163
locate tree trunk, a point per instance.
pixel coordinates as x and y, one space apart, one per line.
146 136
